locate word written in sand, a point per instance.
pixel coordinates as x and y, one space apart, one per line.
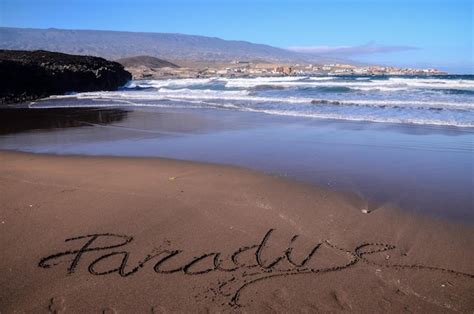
241 274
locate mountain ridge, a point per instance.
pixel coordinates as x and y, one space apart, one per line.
169 46
148 61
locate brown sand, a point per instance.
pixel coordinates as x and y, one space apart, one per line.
173 228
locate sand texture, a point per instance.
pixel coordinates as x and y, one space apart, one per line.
121 235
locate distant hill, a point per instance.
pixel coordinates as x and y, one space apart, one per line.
115 45
147 61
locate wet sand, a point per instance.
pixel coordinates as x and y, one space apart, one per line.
422 169
115 234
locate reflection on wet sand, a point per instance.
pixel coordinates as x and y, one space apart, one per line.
15 120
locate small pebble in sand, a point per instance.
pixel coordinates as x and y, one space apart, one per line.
3 222
365 211
31 205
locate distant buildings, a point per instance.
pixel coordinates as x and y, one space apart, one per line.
244 68
256 69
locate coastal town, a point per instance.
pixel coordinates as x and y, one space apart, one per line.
239 68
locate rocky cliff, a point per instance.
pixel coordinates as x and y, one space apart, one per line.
29 75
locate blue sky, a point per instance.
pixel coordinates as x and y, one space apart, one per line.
418 33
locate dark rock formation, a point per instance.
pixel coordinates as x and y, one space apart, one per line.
29 75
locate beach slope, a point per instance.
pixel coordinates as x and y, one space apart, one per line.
103 234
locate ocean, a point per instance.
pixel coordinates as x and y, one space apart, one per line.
424 100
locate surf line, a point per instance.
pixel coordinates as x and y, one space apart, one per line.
244 275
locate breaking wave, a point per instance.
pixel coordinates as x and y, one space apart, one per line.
426 100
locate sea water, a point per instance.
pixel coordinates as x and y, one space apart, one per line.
446 100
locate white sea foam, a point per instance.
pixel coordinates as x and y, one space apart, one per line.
322 78
174 82
199 104
434 83
360 83
368 118
245 97
391 84
420 106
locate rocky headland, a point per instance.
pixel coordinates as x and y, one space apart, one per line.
148 67
30 75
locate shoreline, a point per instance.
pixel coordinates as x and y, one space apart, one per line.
367 205
431 162
209 212
347 194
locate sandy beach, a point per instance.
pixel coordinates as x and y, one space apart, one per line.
116 234
236 157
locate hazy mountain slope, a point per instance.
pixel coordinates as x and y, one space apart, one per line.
115 45
147 61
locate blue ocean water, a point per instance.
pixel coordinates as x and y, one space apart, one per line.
432 100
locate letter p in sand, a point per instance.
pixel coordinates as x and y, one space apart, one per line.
87 247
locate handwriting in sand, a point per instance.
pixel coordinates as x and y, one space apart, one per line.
240 275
